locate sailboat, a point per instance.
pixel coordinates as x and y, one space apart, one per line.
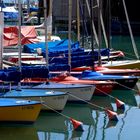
19 111
113 71
107 88
123 82
114 67
103 88
75 92
53 100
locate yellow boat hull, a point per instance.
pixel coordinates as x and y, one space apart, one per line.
124 65
21 114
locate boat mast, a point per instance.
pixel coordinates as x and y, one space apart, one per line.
1 36
45 25
69 33
19 40
78 21
91 24
130 30
49 19
109 23
103 27
99 30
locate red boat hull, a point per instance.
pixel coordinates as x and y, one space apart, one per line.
130 72
103 88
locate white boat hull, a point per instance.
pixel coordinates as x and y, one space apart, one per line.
76 92
50 100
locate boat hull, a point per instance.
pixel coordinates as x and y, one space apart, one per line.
22 111
76 92
104 70
50 100
122 82
123 64
103 88
125 84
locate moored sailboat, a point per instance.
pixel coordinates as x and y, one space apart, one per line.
123 82
51 100
19 111
102 87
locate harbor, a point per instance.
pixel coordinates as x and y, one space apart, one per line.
65 75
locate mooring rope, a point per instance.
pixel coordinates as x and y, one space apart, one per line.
54 110
105 93
128 87
87 102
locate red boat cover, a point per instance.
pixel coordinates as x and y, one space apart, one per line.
28 35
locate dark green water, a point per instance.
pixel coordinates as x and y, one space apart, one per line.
124 44
52 126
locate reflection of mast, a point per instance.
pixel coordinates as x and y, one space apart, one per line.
123 123
96 123
104 126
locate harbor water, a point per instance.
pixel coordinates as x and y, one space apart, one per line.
96 124
53 126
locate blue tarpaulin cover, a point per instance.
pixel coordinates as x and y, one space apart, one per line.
33 71
10 75
58 48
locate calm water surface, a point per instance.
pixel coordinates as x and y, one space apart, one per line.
124 43
53 126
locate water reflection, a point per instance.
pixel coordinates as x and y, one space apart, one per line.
52 125
127 96
17 132
100 103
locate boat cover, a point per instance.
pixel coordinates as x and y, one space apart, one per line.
59 48
10 35
10 13
59 67
88 74
33 71
54 47
10 75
